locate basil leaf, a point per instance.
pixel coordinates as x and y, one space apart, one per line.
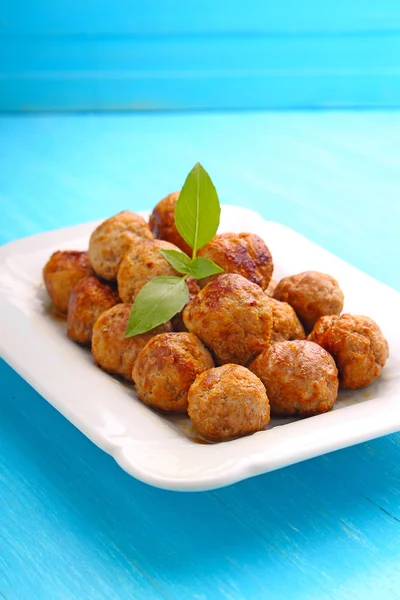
157 302
203 267
197 210
178 260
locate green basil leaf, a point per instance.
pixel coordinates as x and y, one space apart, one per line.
157 302
203 267
197 210
178 260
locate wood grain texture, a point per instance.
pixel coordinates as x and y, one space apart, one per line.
72 524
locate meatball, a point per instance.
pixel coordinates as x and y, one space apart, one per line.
162 223
312 295
227 402
285 323
357 345
89 299
140 264
166 368
271 287
62 271
245 254
300 378
177 320
112 351
233 318
110 240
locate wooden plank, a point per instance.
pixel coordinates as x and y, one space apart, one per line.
169 17
180 73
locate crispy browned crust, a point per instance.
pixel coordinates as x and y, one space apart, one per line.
112 351
62 271
233 318
244 253
357 345
162 223
112 238
285 323
90 297
300 378
166 368
141 263
227 402
312 295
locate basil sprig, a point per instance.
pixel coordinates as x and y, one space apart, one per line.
197 215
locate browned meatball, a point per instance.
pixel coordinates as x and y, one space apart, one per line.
357 345
227 402
300 378
110 240
243 253
271 287
312 295
112 351
177 320
166 368
233 318
285 323
162 223
140 264
63 270
89 299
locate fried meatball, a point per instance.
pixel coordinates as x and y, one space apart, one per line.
357 345
312 295
177 320
227 402
166 368
300 378
271 287
141 263
285 323
62 271
162 223
243 253
112 351
233 318
89 299
110 240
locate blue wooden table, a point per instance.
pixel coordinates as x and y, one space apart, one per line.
73 525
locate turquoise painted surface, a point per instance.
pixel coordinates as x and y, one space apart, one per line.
169 55
73 525
171 17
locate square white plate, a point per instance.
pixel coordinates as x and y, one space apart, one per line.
165 451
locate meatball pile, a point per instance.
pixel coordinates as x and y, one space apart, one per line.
244 348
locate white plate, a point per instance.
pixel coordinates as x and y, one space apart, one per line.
164 451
